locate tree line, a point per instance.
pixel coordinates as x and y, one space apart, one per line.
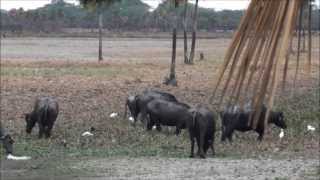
125 15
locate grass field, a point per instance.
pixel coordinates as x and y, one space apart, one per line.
88 92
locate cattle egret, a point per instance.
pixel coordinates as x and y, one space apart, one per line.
87 133
154 127
281 134
112 115
311 128
131 119
12 157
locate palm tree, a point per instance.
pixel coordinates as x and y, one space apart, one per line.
98 6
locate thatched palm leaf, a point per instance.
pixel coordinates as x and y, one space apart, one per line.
258 52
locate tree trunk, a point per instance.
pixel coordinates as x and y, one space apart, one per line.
172 77
173 59
309 35
193 43
303 38
100 35
299 46
185 37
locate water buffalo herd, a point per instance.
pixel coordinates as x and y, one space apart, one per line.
157 108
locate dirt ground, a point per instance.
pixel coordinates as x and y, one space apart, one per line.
115 50
172 168
88 92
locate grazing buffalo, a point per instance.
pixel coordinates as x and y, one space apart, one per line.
7 141
45 113
202 128
239 121
137 104
162 112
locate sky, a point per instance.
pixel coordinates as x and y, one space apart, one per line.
216 4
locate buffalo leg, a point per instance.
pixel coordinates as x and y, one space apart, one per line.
41 130
223 136
139 118
230 137
202 136
48 131
158 127
178 130
142 117
212 148
260 137
228 133
223 133
192 143
149 126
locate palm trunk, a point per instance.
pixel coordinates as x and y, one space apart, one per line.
299 46
185 37
100 35
173 59
303 38
309 35
172 77
193 43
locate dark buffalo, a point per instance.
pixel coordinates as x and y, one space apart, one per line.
7 141
162 112
202 128
239 121
137 104
45 113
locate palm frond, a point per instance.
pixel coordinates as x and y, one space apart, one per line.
259 52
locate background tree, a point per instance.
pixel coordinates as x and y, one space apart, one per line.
128 15
194 31
99 6
172 76
185 35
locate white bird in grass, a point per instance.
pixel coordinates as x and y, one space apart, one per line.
87 133
281 134
12 157
112 115
311 128
131 119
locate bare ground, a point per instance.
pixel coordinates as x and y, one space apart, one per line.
213 168
170 168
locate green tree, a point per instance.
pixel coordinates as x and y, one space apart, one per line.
98 6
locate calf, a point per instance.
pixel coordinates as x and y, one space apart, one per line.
137 104
239 121
45 113
202 128
7 141
162 112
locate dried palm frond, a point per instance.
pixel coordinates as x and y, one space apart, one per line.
259 52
